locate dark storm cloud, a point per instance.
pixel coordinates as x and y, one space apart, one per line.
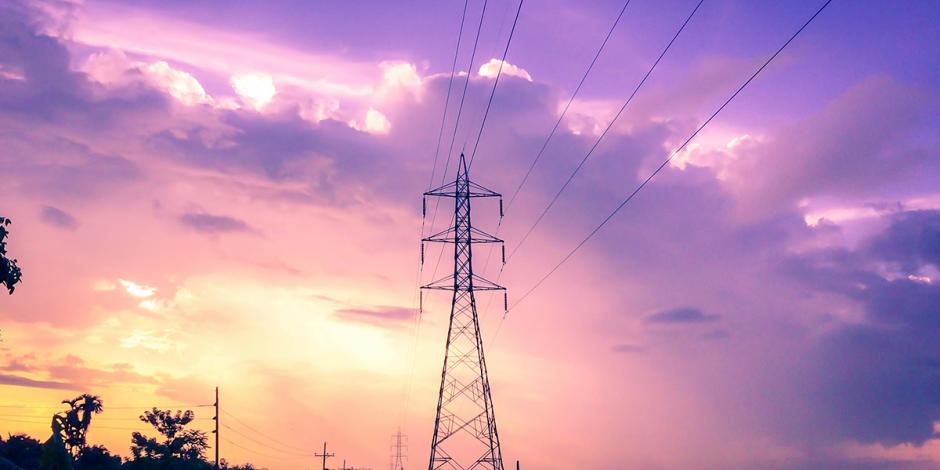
58 218
47 90
214 224
911 241
7 379
682 315
875 382
829 463
68 373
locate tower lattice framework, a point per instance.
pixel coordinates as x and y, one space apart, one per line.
399 451
465 435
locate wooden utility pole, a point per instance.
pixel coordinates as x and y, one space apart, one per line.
324 455
216 418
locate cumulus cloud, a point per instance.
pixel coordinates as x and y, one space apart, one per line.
376 122
301 150
179 84
256 89
400 77
137 290
113 68
491 68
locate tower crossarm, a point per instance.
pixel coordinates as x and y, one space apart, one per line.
473 190
476 236
480 283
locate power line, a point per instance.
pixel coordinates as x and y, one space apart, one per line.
463 96
483 123
92 427
417 325
551 134
450 82
568 105
121 407
96 418
261 434
246 436
499 72
262 454
671 156
46 422
606 130
593 147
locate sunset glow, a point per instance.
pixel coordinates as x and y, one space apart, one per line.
229 194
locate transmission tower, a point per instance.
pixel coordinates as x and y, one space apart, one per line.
399 451
465 434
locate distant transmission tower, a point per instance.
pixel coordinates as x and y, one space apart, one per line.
465 434
399 451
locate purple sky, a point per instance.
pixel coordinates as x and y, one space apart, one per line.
228 194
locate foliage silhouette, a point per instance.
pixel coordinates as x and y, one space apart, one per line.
54 456
178 444
97 458
10 273
21 451
74 423
177 448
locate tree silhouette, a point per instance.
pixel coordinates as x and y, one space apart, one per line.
178 443
178 449
53 455
97 458
21 450
10 273
74 423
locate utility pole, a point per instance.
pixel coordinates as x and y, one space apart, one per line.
465 434
399 451
216 432
325 456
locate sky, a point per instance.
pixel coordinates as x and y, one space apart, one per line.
228 195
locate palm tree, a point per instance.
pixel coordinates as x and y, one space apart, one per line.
90 404
76 421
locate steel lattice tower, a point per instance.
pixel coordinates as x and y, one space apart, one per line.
400 447
465 434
